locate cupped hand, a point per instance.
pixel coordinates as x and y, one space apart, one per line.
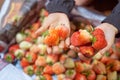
54 20
110 31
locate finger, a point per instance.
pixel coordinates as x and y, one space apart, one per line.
67 41
44 26
55 50
49 50
76 49
82 57
97 56
62 44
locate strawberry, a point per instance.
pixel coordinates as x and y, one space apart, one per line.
31 57
99 41
99 67
41 61
75 40
52 58
38 70
51 40
19 53
28 39
44 13
48 70
60 76
25 45
87 51
9 57
101 77
112 75
58 68
72 54
69 63
35 26
47 77
24 62
13 48
70 73
79 76
113 65
63 57
80 37
62 32
34 49
40 77
90 74
29 70
43 49
20 37
79 66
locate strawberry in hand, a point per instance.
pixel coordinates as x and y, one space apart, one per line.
99 41
80 37
87 51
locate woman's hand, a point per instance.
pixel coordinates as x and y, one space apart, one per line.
110 31
52 21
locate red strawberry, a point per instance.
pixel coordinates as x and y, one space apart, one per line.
99 67
24 62
99 40
90 74
47 77
79 66
52 39
13 48
31 57
113 65
9 57
75 40
80 77
87 51
80 38
29 70
62 31
48 70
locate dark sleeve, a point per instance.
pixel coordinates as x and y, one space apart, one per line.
114 18
63 6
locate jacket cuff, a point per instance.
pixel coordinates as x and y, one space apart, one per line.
63 6
114 18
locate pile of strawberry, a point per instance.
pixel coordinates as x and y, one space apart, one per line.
35 56
89 42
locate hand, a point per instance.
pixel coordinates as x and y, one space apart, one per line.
110 31
51 21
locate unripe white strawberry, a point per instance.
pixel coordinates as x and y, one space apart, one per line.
25 45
